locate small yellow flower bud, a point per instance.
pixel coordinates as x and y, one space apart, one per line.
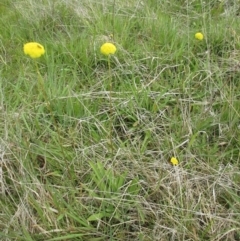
108 48
199 36
174 161
33 49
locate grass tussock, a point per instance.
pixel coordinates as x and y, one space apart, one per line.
86 139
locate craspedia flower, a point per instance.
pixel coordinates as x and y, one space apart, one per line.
33 49
174 161
108 48
199 36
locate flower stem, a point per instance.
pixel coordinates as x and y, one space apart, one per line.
111 108
41 86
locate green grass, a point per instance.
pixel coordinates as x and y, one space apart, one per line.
63 176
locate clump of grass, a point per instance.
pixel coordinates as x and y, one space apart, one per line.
171 96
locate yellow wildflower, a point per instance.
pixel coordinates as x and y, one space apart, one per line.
33 49
199 36
174 161
108 48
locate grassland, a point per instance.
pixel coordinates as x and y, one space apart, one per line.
85 156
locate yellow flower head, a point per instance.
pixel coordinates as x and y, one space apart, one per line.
33 49
199 36
108 48
174 161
